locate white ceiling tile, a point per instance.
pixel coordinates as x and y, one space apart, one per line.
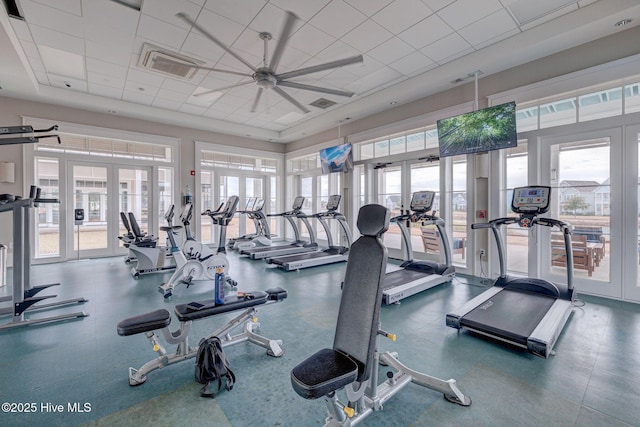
46 37
166 11
167 104
172 95
228 8
138 75
218 26
527 11
201 47
311 40
369 7
550 16
337 18
271 19
102 33
66 82
374 81
304 9
215 114
106 91
42 78
161 32
36 65
198 2
178 86
97 78
436 5
112 53
52 18
402 14
446 49
497 38
143 88
412 63
30 49
69 6
230 63
192 109
391 50
63 63
110 14
368 66
426 32
488 28
293 59
464 12
366 36
138 98
250 42
106 68
337 50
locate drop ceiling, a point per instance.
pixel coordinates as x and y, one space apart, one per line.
87 54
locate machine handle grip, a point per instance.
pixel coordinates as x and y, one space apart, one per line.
386 334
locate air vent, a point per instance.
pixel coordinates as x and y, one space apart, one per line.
322 103
13 10
168 63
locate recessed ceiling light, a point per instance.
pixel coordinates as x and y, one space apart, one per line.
111 111
393 102
141 89
623 22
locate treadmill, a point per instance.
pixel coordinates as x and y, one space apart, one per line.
527 312
298 246
415 276
332 254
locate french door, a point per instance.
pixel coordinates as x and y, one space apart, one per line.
216 187
102 191
585 174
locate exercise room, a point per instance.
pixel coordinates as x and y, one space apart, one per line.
320 212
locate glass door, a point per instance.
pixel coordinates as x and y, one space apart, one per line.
133 198
425 177
586 195
631 253
253 187
89 191
389 191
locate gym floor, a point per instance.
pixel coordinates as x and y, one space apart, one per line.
592 380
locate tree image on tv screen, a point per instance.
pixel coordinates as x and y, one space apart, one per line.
483 130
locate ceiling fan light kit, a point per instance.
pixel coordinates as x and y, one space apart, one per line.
266 76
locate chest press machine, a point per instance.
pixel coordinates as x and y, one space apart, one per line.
159 320
353 361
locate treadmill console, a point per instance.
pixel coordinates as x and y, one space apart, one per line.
532 200
421 201
333 202
297 203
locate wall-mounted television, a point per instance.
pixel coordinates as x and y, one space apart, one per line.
488 129
337 159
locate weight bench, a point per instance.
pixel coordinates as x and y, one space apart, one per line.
151 322
353 361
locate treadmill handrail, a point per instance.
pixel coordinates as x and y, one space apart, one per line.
564 227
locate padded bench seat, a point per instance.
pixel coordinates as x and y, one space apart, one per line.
326 371
145 322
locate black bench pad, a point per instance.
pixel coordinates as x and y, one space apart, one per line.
326 371
184 313
145 322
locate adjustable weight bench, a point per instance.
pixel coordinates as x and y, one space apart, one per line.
353 361
159 320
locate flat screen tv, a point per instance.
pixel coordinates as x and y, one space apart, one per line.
488 129
336 159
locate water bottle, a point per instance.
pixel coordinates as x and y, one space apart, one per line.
219 286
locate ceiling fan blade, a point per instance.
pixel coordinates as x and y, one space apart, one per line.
255 101
282 41
186 18
315 88
220 89
288 97
237 73
321 67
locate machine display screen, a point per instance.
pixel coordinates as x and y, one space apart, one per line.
530 199
333 202
298 202
422 200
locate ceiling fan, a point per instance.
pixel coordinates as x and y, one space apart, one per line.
266 76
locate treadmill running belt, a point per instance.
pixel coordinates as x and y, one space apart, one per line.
400 277
509 315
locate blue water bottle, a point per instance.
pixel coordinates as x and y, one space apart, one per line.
219 286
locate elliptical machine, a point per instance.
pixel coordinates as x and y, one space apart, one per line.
196 261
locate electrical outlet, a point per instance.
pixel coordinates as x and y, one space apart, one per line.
482 252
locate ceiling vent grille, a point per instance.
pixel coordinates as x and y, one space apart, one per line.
168 63
322 103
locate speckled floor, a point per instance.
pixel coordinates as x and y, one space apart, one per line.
593 380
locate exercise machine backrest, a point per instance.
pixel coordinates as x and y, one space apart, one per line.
359 313
135 227
126 224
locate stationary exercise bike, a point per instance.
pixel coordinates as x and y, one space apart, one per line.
153 258
196 261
